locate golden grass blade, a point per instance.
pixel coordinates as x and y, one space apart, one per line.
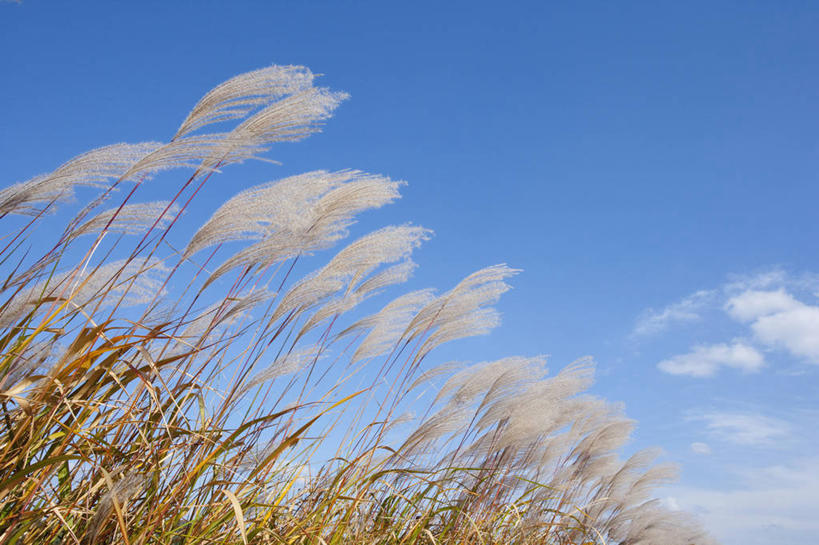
237 510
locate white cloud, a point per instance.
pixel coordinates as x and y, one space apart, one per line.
704 361
778 319
685 310
752 304
700 448
797 330
776 504
747 429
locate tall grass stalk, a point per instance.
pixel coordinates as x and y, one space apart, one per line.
214 393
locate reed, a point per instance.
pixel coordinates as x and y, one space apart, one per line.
213 394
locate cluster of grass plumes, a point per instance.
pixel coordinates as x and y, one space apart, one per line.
204 394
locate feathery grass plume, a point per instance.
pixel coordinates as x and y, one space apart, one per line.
537 409
465 387
290 119
474 323
215 317
339 305
351 265
463 311
575 418
287 364
479 378
265 209
24 363
123 490
451 419
650 523
613 492
92 169
387 325
397 274
384 246
134 282
611 436
129 219
651 478
436 371
294 216
240 95
203 152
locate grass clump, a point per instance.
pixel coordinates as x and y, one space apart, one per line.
155 393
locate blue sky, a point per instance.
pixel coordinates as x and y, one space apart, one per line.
650 166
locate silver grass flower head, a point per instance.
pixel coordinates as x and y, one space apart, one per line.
382 247
386 326
95 168
478 290
436 371
650 523
520 420
539 407
594 468
400 420
620 482
653 477
572 420
332 308
129 219
351 265
130 485
397 274
329 216
264 209
290 119
287 364
519 373
477 322
204 152
448 420
469 383
135 282
405 306
218 316
238 96
339 305
554 448
294 216
608 437
25 362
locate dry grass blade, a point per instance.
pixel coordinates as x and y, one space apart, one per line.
237 509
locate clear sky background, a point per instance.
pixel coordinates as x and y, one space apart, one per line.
652 166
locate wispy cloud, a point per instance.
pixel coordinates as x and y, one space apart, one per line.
686 310
748 429
705 361
757 281
700 448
